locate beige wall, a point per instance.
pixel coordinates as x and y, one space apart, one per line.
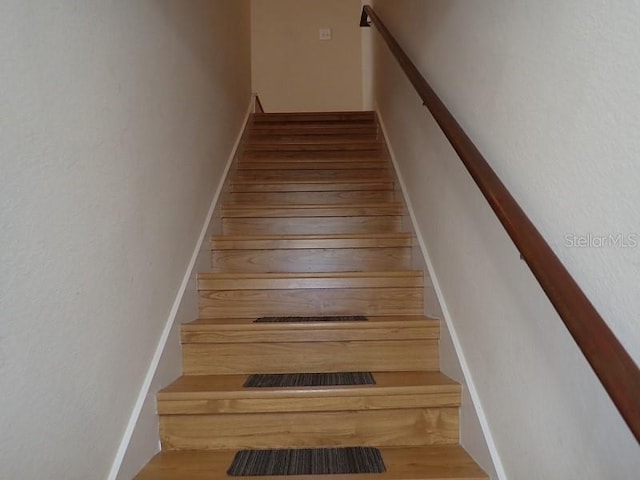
292 69
548 91
117 119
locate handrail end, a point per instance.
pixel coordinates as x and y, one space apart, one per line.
257 104
364 18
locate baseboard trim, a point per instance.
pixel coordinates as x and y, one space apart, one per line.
473 392
169 324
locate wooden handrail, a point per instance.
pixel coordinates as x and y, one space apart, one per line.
615 368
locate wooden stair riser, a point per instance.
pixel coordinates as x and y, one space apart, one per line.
309 122
295 404
313 122
258 211
317 192
311 225
220 394
343 148
311 219
305 120
261 186
273 171
247 219
287 335
304 302
435 462
312 155
397 427
326 198
257 138
306 242
322 253
328 164
311 281
316 130
247 358
318 117
311 260
246 330
306 175
213 394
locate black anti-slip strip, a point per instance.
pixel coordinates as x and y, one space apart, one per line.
344 318
309 379
307 461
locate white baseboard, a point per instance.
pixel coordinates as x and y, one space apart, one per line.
473 392
169 324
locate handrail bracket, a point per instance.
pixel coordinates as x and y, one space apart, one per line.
364 19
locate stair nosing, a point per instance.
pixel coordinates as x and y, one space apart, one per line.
314 236
396 459
375 180
235 324
441 384
406 279
393 209
313 206
311 241
305 275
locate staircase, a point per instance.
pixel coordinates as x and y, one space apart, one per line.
311 228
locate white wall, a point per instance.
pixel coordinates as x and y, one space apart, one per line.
452 363
293 70
548 92
117 119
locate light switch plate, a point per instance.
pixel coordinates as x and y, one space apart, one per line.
325 34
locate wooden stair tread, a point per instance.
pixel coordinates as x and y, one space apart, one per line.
256 139
317 161
352 125
336 197
304 280
237 303
301 254
316 146
230 386
317 113
311 129
354 240
304 275
316 174
311 185
308 151
311 210
248 323
382 179
325 164
437 462
273 138
346 116
244 330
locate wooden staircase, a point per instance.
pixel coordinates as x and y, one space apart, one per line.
311 227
